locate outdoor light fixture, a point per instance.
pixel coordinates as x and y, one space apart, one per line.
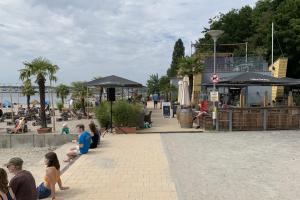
215 34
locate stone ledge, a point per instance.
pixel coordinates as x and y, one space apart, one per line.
34 140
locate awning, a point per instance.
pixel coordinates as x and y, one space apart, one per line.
114 81
251 78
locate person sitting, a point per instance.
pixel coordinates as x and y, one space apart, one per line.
203 109
47 187
83 144
6 192
20 125
95 135
65 129
23 183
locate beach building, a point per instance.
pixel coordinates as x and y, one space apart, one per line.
229 66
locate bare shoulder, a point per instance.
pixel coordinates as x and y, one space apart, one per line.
51 170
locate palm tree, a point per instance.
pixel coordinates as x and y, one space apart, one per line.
62 91
190 66
40 69
79 91
153 84
28 91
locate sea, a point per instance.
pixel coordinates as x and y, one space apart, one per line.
18 98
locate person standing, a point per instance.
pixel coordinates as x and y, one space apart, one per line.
155 100
23 183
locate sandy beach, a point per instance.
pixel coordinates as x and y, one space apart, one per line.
58 125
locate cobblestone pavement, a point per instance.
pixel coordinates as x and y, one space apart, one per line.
240 165
125 167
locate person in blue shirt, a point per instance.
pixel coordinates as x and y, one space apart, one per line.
83 144
155 100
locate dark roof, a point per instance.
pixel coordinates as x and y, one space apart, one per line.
251 78
114 81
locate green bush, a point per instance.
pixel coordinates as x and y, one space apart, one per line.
60 106
125 114
103 114
77 105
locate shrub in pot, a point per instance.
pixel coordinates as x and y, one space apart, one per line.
125 116
103 114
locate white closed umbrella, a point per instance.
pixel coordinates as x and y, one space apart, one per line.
179 92
185 101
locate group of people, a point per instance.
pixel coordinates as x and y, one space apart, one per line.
86 140
23 186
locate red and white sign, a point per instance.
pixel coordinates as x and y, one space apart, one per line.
214 78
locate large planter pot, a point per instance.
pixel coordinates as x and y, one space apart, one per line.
126 130
186 118
44 130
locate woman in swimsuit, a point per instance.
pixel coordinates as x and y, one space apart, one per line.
47 188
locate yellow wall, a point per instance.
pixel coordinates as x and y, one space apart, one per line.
278 71
196 88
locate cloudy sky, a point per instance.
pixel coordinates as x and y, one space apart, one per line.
88 38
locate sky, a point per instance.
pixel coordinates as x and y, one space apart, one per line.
90 38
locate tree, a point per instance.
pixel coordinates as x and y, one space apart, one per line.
178 53
28 91
153 84
253 25
62 91
80 92
165 87
40 69
190 65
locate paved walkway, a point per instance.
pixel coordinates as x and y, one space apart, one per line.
125 167
165 125
239 165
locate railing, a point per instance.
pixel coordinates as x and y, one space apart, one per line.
264 118
236 64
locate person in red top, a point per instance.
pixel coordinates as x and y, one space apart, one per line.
203 109
23 183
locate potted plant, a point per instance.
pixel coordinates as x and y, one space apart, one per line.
125 117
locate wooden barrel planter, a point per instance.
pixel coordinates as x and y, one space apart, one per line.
44 130
186 118
178 113
125 130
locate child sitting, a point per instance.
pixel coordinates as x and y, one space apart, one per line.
65 129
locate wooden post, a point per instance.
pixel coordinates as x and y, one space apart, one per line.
217 121
230 120
265 119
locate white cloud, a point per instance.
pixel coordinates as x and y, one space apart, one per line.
129 38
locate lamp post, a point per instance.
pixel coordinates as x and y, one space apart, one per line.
215 34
